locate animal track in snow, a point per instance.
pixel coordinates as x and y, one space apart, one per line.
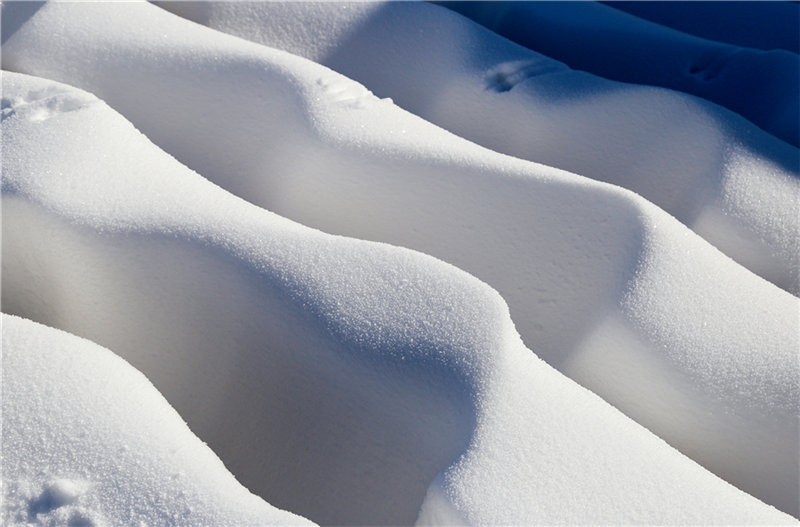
350 94
40 105
710 67
58 501
506 75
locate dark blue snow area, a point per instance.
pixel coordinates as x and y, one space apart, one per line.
760 85
760 25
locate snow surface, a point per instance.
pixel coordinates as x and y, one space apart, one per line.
759 85
333 376
754 24
352 369
87 441
735 185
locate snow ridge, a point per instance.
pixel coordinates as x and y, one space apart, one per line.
317 365
676 150
760 85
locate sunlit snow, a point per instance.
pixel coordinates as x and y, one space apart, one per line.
364 318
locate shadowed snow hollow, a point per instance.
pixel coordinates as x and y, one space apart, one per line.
739 23
759 85
335 377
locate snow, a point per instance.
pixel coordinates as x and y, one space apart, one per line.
168 270
367 364
689 157
759 85
740 23
88 441
355 382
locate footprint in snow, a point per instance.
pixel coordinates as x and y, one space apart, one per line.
505 76
40 105
350 94
58 503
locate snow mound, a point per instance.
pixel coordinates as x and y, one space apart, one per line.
601 284
333 376
294 354
735 185
759 85
545 454
87 441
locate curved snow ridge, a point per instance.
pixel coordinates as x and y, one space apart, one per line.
672 148
88 441
327 373
325 355
759 85
289 143
147 207
508 474
730 182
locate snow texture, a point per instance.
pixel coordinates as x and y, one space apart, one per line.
334 377
601 268
759 85
328 372
735 185
87 441
760 25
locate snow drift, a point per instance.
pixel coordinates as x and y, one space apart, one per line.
735 185
759 85
600 283
88 441
326 372
312 365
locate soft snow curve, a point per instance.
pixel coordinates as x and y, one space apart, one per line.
759 85
87 441
334 376
600 283
729 181
313 365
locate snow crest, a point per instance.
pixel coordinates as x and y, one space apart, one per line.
676 150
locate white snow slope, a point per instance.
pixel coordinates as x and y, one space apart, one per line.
87 441
371 369
600 283
728 180
334 377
